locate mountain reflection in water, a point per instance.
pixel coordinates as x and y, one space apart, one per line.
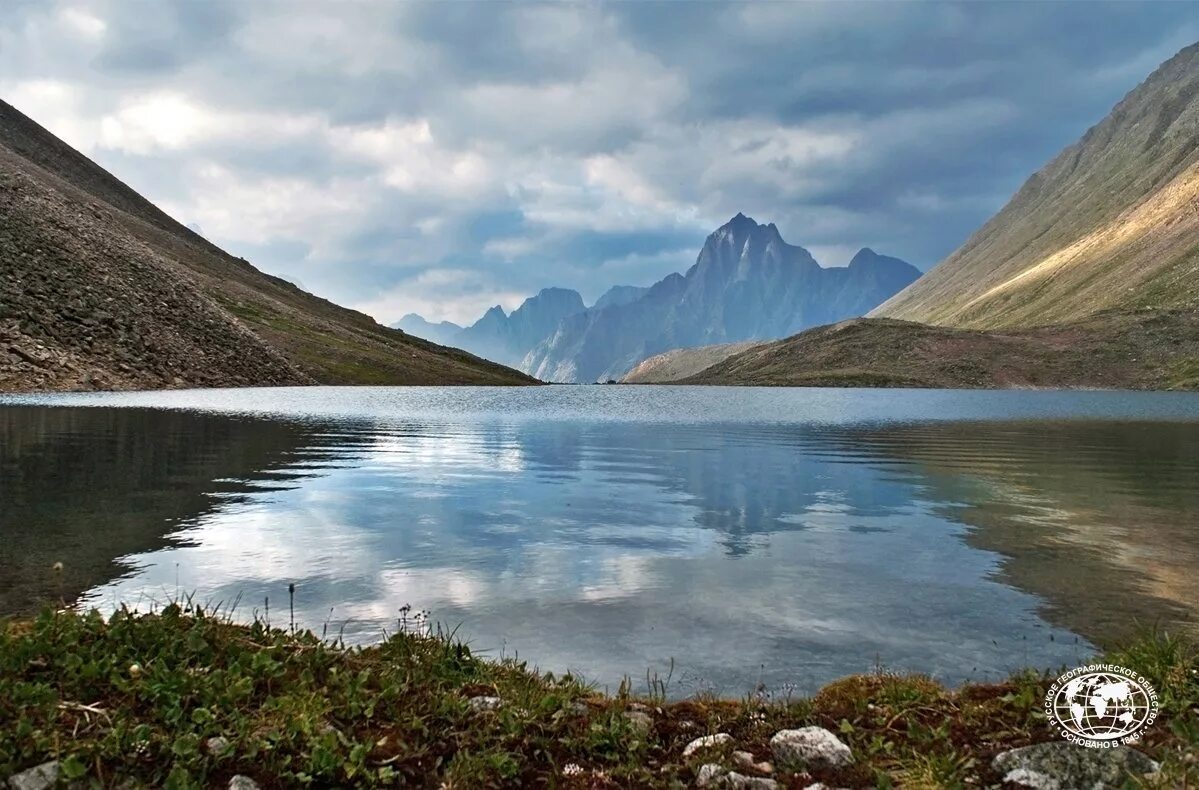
786 552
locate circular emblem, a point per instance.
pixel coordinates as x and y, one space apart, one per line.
1101 705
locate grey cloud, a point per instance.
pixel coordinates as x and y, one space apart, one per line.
425 154
161 37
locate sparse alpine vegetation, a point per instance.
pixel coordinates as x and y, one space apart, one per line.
1146 350
185 698
1112 223
99 289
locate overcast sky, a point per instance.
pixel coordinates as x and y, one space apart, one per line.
441 158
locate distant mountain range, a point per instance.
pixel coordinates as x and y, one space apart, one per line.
99 289
499 336
1088 277
747 284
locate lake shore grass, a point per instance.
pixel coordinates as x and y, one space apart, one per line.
186 698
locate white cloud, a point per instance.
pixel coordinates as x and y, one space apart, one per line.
411 160
168 121
82 23
56 105
458 295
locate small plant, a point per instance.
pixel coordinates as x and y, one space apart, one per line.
185 697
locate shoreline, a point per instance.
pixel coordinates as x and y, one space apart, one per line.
188 697
838 384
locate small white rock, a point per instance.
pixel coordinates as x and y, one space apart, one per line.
640 720
1035 780
746 760
484 703
741 782
217 744
708 775
242 782
40 777
706 742
809 747
713 775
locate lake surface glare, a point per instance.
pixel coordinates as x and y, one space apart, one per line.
726 537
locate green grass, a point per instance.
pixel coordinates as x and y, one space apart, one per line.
1183 374
137 697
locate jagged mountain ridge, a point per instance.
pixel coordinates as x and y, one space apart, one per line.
442 332
497 335
620 294
101 289
746 284
1112 222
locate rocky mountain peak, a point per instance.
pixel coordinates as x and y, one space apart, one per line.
747 284
737 229
868 258
553 299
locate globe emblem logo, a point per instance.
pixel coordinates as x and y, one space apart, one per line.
1101 705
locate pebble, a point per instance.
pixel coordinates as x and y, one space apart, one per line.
217 744
41 777
706 742
809 747
485 703
640 720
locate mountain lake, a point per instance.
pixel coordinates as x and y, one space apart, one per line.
713 539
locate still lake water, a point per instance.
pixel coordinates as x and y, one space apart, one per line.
779 536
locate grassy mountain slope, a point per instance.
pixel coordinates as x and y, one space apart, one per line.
1111 223
1089 277
1118 350
100 289
682 363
